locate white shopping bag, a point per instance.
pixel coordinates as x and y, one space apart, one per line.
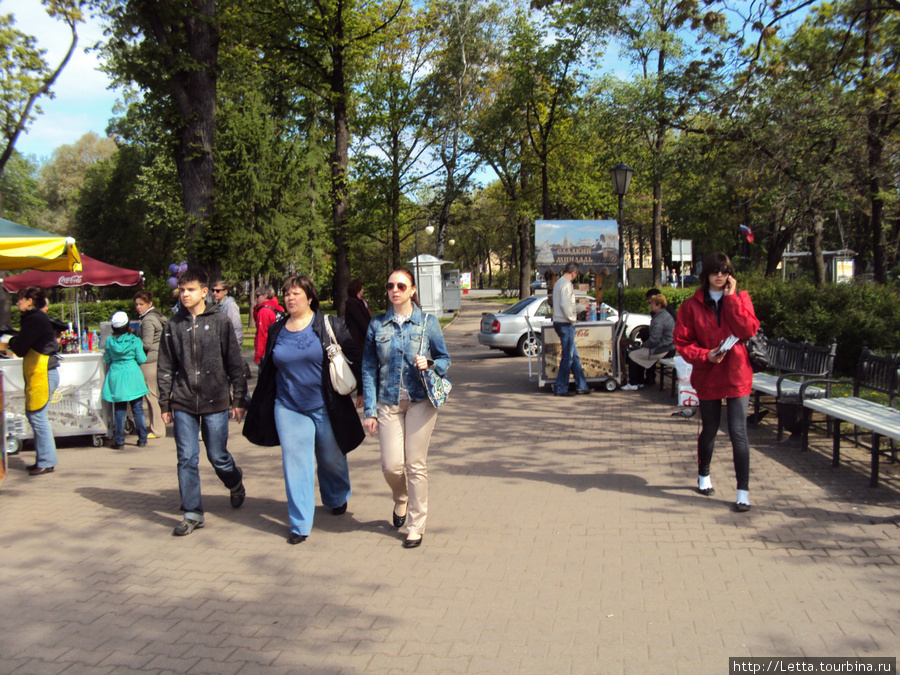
687 395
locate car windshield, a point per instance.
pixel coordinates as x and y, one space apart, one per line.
518 307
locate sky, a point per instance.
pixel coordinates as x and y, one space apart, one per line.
83 101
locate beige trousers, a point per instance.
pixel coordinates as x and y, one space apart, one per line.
404 432
152 413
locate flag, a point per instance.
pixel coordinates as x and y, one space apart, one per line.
748 234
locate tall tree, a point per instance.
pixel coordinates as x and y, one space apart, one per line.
170 52
26 76
328 42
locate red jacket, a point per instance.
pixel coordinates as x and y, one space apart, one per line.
697 333
265 315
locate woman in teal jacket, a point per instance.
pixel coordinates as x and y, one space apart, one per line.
124 354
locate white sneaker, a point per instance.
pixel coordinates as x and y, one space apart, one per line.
632 387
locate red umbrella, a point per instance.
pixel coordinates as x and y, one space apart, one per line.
93 273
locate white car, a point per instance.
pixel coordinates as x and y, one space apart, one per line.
508 330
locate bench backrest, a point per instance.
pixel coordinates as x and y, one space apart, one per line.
788 357
878 373
819 361
801 357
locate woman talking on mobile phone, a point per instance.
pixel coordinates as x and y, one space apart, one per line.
717 311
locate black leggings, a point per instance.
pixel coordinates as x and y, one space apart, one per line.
710 416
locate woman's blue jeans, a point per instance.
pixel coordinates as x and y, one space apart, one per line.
307 439
214 428
44 443
121 412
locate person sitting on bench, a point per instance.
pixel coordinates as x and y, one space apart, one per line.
655 347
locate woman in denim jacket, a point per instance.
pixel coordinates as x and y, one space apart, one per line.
395 400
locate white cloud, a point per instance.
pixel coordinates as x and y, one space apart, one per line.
82 101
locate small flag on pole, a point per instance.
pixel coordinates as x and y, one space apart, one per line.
748 234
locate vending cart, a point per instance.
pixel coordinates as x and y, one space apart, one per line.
598 347
75 409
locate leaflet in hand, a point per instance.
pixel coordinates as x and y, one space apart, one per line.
725 345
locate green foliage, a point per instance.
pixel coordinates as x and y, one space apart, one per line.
93 312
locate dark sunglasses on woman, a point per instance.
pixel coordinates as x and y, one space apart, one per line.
400 286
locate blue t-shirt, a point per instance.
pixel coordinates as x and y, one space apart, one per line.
298 357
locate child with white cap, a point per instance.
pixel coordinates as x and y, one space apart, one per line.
124 354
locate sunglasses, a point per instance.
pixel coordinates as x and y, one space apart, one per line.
722 270
218 290
400 286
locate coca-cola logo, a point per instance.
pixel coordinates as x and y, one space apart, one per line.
74 280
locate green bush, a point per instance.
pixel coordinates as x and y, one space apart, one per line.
851 314
93 312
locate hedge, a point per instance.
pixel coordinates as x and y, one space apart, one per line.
852 314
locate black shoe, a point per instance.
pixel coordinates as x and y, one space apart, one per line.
740 507
294 538
583 392
142 444
399 521
237 496
186 527
564 393
706 492
118 446
339 511
31 467
413 543
40 471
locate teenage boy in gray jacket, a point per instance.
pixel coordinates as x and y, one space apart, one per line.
201 376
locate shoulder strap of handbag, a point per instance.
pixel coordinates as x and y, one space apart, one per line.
422 343
329 329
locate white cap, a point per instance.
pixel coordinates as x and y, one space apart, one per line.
119 319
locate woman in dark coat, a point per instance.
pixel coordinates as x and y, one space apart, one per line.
356 313
36 344
295 406
715 312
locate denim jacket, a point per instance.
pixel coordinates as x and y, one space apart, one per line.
390 352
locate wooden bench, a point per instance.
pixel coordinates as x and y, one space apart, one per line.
793 363
875 373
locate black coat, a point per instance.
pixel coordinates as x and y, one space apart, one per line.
259 425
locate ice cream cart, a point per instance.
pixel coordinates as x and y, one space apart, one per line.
598 347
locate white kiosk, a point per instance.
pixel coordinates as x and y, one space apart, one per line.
429 282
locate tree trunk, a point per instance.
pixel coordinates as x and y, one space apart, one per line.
818 228
524 256
656 243
339 164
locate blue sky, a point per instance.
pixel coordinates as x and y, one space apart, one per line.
83 101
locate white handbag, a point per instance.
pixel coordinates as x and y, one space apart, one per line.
342 378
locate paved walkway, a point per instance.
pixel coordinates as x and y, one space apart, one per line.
564 537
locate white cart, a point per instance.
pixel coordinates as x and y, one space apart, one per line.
598 347
76 408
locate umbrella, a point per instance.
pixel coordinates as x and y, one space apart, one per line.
23 248
93 273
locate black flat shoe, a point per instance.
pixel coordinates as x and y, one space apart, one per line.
413 543
740 507
707 492
564 393
40 471
295 538
399 521
339 511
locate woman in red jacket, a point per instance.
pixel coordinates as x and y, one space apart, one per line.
715 312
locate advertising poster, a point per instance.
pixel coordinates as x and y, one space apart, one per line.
465 280
593 244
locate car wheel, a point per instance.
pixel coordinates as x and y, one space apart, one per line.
633 335
529 345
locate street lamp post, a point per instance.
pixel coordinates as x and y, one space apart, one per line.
429 228
621 178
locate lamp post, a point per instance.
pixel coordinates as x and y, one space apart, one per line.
429 228
621 178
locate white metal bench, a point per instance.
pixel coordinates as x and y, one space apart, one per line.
876 373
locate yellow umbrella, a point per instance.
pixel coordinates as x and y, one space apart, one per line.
23 248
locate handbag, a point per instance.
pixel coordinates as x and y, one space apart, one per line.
437 388
756 350
342 378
